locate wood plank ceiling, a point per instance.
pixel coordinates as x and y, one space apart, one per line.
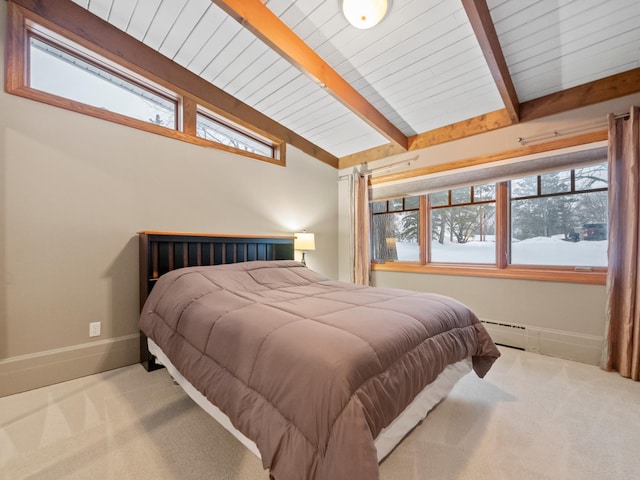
431 71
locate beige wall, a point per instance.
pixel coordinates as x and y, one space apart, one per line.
549 305
561 319
73 192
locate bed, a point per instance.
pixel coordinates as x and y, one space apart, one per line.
321 379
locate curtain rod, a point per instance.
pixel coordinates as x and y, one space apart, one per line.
406 161
520 140
557 133
369 171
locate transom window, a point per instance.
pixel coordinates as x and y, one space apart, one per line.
56 70
211 128
45 64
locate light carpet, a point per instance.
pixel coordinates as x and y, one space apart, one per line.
533 417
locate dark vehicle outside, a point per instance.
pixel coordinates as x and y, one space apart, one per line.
594 231
572 236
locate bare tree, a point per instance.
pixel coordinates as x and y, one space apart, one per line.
384 229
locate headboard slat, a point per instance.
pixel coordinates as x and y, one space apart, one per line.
199 253
185 255
170 256
154 260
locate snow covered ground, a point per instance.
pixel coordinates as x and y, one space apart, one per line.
533 251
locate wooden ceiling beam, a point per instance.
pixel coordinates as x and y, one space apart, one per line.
268 27
485 32
92 32
455 131
465 128
605 89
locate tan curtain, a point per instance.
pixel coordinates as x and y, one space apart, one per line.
622 350
361 252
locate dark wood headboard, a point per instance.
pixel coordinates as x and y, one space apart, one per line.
161 252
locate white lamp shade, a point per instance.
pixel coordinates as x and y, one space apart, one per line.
364 13
304 241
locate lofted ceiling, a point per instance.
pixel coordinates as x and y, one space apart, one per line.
465 66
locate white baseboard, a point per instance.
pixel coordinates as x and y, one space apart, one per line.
556 343
26 372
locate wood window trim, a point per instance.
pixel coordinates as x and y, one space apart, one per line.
16 83
502 218
593 276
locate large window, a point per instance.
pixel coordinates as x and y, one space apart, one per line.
560 218
396 229
463 224
552 223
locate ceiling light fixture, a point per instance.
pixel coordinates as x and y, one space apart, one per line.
364 13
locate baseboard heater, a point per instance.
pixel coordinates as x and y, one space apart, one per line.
507 334
557 343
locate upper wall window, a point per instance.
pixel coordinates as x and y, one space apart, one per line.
560 218
463 224
59 68
211 128
59 71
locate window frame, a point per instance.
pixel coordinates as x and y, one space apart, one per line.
23 23
502 268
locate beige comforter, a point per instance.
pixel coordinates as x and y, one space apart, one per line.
308 368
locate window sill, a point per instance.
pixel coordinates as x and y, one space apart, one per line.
594 276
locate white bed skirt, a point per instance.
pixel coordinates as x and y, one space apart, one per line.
388 438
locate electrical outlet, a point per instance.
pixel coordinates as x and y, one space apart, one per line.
94 329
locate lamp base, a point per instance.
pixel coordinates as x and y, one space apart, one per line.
303 261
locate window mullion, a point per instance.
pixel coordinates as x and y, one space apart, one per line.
189 115
425 230
502 224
